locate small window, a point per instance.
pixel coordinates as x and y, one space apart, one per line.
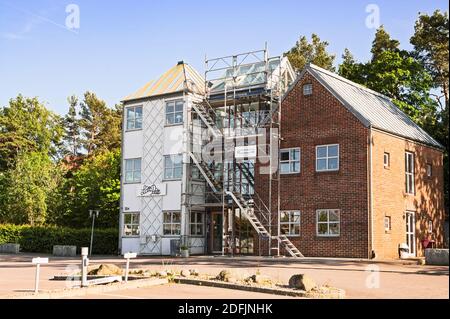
327 157
429 170
134 117
174 112
387 160
387 223
290 161
328 222
173 166
430 226
133 170
409 172
130 224
197 223
172 223
290 223
307 89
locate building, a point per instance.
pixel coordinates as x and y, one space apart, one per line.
252 158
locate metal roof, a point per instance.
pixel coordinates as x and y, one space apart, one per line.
177 79
370 107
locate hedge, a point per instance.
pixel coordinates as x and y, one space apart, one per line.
41 239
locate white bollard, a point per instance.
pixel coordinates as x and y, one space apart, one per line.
84 266
127 256
38 261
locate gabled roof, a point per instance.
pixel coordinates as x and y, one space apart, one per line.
370 107
179 78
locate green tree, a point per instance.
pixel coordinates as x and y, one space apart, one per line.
382 43
100 126
26 125
72 127
27 187
315 52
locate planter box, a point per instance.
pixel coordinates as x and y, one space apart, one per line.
64 251
436 257
10 248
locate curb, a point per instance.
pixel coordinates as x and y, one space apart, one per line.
75 292
338 294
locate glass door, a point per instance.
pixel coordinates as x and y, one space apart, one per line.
216 232
411 233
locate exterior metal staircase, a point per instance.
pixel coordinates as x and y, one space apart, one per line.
247 206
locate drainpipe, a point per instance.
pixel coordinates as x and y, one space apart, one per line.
121 201
370 219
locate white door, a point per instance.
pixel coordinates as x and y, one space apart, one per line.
411 233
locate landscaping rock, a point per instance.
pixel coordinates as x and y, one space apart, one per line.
259 279
437 257
106 270
185 273
303 282
223 275
194 272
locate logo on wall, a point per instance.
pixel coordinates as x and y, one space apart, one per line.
151 190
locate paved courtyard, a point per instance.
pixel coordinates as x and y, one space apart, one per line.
391 279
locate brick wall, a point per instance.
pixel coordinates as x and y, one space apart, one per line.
308 121
390 198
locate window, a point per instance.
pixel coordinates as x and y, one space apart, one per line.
307 89
328 222
174 112
134 118
409 172
131 224
327 157
173 166
429 170
290 223
171 223
387 160
387 223
290 161
133 170
430 226
197 223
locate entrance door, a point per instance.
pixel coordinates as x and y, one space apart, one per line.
216 232
411 233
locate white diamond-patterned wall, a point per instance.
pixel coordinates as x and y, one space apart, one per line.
152 172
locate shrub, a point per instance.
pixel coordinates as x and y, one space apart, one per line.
41 239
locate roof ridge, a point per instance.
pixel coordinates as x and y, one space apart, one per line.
341 78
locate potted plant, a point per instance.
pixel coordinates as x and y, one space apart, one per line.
184 251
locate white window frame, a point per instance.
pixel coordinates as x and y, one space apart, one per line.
194 223
307 89
291 222
173 167
328 222
290 160
134 121
134 224
409 173
174 112
386 160
327 158
430 227
172 224
134 171
387 223
429 170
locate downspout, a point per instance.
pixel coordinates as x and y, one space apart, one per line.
121 182
185 179
370 217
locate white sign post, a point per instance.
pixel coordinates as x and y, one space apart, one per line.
127 256
38 261
84 266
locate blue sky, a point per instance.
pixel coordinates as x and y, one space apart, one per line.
120 45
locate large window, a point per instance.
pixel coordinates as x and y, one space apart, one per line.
134 118
197 223
171 223
290 161
133 170
409 172
130 224
174 112
328 222
290 223
173 166
327 157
